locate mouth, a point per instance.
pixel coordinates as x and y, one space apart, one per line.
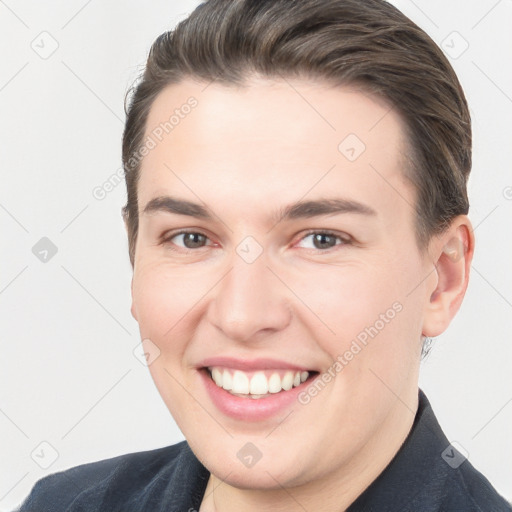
260 384
254 390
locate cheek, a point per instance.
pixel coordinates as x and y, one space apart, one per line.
164 298
347 299
367 313
167 301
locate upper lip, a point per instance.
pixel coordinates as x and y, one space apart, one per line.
251 364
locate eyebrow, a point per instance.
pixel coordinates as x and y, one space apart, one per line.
297 210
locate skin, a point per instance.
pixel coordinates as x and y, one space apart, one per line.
244 153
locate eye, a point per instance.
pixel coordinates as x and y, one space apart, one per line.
324 240
190 239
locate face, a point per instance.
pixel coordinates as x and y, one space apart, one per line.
298 280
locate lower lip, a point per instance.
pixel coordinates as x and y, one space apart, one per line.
250 409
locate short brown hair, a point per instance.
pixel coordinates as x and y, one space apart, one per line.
367 43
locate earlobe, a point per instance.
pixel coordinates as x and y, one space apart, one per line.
453 253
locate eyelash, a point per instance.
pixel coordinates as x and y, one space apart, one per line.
345 240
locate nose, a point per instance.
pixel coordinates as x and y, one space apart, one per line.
250 301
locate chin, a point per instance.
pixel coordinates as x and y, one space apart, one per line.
256 478
273 473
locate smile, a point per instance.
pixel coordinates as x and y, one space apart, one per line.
254 389
256 384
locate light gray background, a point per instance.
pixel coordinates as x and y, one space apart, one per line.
68 376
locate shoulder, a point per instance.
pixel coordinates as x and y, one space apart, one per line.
96 482
428 474
468 490
454 482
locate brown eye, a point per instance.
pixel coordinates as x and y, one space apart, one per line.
189 240
324 240
193 240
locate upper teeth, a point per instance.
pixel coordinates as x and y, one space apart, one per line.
257 383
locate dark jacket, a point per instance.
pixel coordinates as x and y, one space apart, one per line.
426 475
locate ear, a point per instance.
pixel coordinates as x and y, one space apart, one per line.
452 253
124 214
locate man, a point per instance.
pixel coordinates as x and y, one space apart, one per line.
297 223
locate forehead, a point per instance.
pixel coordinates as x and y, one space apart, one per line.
272 140
314 109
